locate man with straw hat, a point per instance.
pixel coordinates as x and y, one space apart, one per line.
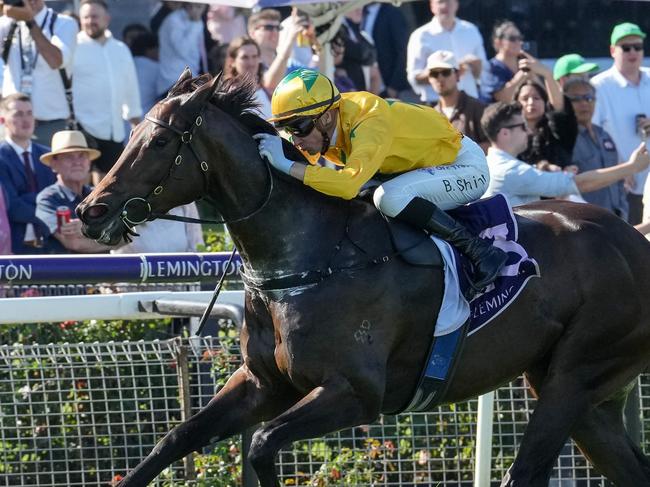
70 159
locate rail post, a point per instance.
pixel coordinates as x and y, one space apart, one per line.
185 400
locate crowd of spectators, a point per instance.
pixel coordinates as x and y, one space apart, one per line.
567 132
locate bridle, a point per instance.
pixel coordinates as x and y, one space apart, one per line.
143 205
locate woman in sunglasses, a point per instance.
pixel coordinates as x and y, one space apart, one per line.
433 167
512 65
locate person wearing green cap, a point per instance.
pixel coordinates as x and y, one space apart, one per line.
623 108
572 66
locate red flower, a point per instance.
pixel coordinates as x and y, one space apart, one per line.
64 325
116 480
208 354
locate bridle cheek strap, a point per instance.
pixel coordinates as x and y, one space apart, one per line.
142 205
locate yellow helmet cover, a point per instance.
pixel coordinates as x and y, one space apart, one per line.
303 92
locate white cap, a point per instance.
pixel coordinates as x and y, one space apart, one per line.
442 60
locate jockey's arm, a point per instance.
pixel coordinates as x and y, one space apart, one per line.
370 143
298 171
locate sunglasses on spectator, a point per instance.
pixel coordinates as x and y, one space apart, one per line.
445 73
270 27
586 97
513 38
629 47
521 125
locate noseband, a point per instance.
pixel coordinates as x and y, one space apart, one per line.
138 210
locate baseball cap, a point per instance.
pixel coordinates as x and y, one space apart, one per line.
572 64
442 60
623 30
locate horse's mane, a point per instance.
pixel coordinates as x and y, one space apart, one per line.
234 96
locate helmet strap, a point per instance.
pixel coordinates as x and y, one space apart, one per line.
326 141
323 132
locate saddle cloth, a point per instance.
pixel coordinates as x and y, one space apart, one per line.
491 218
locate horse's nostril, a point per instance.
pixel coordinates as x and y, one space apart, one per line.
95 211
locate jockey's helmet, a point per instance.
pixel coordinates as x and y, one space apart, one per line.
303 92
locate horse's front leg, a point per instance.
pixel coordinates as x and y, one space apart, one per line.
334 405
240 404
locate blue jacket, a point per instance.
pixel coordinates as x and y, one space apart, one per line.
21 202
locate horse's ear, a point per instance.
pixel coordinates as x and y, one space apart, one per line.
185 75
205 92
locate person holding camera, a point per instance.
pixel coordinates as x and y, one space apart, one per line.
38 46
623 108
512 66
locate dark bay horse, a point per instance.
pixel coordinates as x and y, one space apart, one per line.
581 333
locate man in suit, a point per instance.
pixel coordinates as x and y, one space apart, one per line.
22 174
387 27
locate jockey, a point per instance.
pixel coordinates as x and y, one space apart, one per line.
435 167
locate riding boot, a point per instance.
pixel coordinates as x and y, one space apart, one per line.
486 259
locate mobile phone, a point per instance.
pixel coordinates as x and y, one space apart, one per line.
14 3
522 56
530 47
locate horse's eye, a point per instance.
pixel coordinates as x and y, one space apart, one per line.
160 142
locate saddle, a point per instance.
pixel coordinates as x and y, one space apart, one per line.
414 246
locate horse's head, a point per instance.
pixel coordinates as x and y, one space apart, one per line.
164 165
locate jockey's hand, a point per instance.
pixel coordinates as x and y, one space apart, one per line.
270 146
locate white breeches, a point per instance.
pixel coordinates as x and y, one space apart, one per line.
448 186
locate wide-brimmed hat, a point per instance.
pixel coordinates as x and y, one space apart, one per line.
69 141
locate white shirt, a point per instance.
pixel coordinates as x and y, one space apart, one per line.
264 108
104 86
463 39
166 235
181 44
147 71
48 94
523 183
29 228
617 103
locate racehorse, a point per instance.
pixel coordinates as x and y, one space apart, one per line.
580 333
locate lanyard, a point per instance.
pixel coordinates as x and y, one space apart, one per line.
20 46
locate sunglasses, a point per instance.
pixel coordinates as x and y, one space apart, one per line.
270 27
300 126
629 47
513 38
587 97
445 73
521 125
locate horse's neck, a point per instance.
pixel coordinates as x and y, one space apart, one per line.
297 227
